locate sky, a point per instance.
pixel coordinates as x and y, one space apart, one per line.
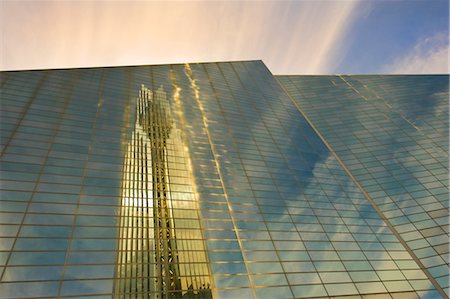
290 37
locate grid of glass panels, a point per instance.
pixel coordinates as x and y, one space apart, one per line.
257 205
62 156
392 133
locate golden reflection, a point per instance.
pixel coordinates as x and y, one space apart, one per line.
161 252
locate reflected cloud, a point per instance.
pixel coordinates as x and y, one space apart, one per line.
396 119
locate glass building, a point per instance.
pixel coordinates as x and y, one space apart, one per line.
220 180
391 132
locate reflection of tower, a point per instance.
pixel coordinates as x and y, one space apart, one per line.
152 262
154 118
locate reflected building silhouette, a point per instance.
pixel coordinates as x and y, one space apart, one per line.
153 259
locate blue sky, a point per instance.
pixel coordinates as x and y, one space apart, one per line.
291 37
387 31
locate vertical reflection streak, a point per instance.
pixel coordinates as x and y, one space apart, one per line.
199 270
195 88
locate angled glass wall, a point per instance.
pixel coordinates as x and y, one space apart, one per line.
182 181
392 133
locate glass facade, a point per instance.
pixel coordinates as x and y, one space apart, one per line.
392 132
211 181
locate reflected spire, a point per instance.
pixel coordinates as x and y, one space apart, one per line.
149 263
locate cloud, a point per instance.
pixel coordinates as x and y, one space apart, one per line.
303 37
428 56
309 41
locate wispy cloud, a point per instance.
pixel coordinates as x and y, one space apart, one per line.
302 37
316 42
429 56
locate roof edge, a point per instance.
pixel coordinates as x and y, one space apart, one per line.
135 65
